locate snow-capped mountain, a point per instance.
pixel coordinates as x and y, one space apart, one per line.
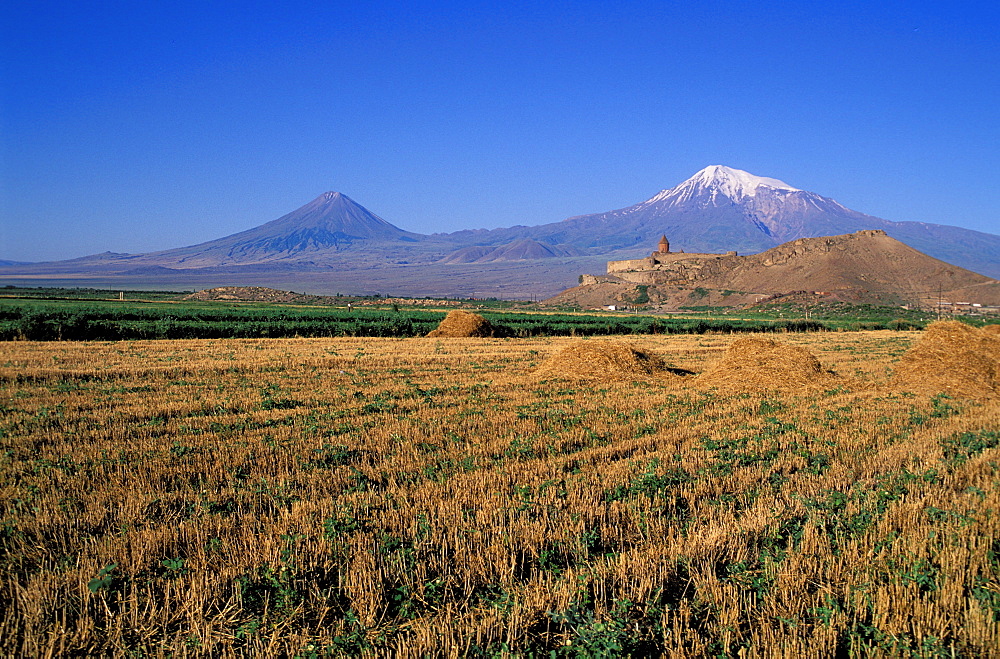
772 206
721 209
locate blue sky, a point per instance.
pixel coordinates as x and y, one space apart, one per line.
131 127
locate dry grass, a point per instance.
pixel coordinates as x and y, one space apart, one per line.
954 358
758 364
418 498
462 324
605 360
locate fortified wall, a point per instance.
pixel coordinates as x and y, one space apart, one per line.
671 268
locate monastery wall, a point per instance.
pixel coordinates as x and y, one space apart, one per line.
662 262
614 267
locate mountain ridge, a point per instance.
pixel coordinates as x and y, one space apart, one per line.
718 209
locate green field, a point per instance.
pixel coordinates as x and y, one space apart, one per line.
88 315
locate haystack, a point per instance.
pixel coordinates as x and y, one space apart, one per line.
992 329
459 323
606 360
952 358
756 364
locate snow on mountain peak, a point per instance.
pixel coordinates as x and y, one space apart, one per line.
734 183
714 180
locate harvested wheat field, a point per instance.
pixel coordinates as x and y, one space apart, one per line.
607 360
953 358
462 324
756 364
388 497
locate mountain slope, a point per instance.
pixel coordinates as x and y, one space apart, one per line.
524 249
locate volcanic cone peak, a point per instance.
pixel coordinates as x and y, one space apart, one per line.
327 225
336 212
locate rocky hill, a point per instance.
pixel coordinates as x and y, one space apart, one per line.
866 266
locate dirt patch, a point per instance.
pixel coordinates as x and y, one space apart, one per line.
459 323
953 358
254 294
755 364
607 360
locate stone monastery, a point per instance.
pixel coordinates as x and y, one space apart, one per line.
666 267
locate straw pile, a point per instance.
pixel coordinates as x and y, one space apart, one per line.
992 329
755 364
606 360
459 323
953 358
